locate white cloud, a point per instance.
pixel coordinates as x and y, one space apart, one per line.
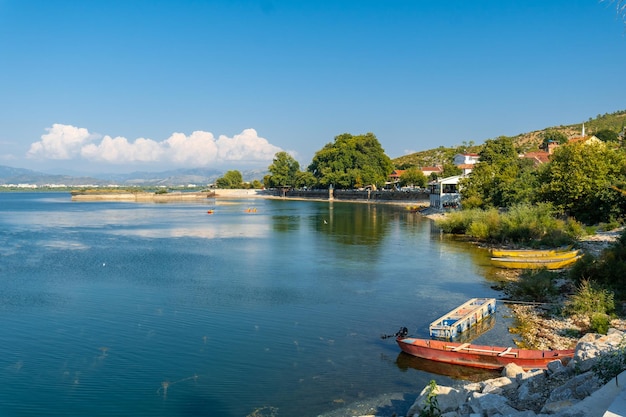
61 142
246 146
119 151
198 149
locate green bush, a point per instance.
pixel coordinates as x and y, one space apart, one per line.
599 323
431 405
589 300
610 364
535 286
608 269
534 225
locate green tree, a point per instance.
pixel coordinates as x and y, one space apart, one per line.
231 179
607 135
305 179
351 161
500 179
553 135
450 170
414 177
284 169
580 181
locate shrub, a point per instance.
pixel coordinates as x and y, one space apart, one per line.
599 323
610 364
594 302
431 405
609 269
523 223
535 286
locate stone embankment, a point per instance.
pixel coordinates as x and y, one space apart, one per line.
142 196
563 391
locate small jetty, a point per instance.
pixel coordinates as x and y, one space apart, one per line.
141 197
462 318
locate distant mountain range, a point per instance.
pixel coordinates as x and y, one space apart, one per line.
180 177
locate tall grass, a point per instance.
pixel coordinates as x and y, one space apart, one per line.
594 302
524 223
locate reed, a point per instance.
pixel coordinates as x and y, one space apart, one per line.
523 223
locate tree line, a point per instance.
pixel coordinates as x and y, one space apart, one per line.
350 161
582 180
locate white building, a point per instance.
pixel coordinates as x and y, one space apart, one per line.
444 194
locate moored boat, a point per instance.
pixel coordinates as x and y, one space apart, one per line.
534 263
529 253
479 356
462 318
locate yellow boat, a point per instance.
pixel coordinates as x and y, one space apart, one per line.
534 263
529 253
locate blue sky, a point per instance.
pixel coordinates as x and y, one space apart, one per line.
125 85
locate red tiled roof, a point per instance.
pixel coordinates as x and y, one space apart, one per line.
396 173
540 157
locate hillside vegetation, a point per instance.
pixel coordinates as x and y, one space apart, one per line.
524 142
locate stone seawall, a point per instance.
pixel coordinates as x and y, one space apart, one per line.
142 197
354 195
420 198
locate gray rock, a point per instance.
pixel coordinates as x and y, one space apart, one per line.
558 406
530 375
527 413
555 366
497 385
490 404
592 345
512 370
448 399
525 394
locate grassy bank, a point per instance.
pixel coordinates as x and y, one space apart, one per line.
557 307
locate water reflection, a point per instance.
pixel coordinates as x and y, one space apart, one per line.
405 361
145 309
363 224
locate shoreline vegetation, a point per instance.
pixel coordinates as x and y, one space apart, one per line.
552 309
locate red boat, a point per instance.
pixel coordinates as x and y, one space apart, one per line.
478 356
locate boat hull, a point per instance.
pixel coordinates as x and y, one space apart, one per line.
478 356
533 263
529 253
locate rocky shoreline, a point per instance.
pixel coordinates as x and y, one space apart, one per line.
575 389
562 391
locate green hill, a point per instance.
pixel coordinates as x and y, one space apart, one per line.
524 141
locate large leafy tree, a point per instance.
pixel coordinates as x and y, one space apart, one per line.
414 177
607 135
584 181
284 171
231 179
500 179
305 179
351 162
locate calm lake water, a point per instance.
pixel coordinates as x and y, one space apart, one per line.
164 310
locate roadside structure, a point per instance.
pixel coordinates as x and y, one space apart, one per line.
444 193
